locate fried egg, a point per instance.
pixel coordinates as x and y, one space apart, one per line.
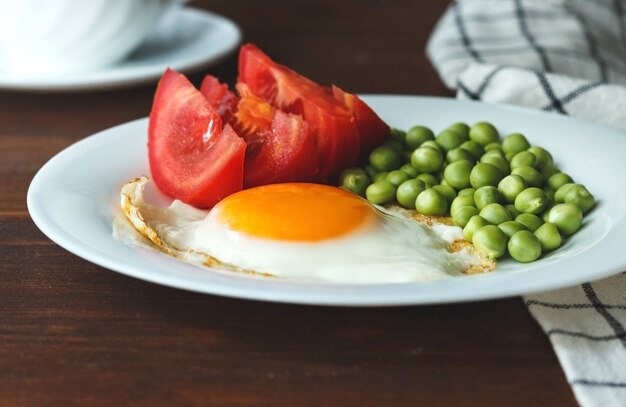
298 231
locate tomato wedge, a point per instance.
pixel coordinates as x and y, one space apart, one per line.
372 129
333 126
192 158
280 146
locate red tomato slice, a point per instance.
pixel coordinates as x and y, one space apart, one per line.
280 146
331 123
191 157
372 129
221 98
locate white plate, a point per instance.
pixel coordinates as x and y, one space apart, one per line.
186 40
74 196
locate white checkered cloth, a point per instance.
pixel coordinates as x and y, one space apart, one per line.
568 57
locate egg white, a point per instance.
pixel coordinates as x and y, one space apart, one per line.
395 250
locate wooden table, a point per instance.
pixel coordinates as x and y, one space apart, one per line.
72 333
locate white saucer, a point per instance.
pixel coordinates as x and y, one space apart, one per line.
185 41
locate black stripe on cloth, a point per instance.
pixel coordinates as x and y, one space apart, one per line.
610 319
569 306
532 41
621 18
593 383
482 87
574 94
555 103
597 338
460 25
594 52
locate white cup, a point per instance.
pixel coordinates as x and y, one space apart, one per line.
57 37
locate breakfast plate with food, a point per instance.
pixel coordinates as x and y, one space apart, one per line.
284 190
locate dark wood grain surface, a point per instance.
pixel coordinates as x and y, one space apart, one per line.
72 333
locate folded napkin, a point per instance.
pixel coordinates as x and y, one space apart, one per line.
567 57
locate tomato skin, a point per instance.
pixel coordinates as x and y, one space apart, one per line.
372 129
191 157
331 123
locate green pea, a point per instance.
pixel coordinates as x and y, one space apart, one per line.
511 227
418 135
429 179
524 246
557 180
549 236
490 240
458 154
476 222
559 195
512 210
484 133
463 215
466 191
492 153
409 170
523 158
484 174
531 200
546 212
547 171
500 163
486 195
461 201
398 135
447 191
380 176
407 192
430 202
385 159
509 156
380 192
432 144
493 146
462 129
355 180
397 177
543 156
510 186
532 177
458 174
514 143
567 217
426 160
394 145
474 148
532 222
580 196
495 214
444 182
371 171
449 139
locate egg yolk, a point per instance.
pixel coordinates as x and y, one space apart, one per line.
295 212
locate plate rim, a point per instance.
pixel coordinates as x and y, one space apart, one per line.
274 294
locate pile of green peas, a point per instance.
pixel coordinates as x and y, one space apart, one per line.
507 195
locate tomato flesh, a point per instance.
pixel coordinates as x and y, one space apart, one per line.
280 146
220 97
192 158
331 123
